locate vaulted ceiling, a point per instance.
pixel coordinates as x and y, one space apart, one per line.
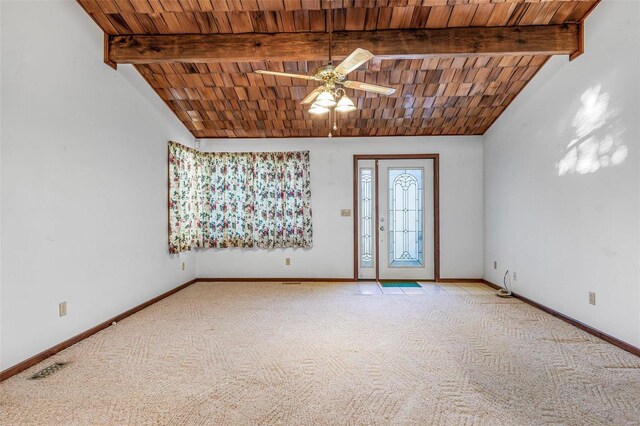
456 65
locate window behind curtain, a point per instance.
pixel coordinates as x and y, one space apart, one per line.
221 200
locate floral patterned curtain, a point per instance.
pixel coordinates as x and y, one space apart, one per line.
184 224
220 200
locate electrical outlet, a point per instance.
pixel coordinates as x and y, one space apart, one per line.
495 264
592 298
287 261
515 276
345 212
183 265
62 309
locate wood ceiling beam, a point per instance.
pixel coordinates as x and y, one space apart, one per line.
562 39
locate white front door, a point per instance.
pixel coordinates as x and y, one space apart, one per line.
405 220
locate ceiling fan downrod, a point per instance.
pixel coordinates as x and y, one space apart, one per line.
330 12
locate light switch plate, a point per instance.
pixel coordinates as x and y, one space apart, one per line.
345 212
62 309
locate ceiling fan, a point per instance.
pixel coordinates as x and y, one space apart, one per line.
331 94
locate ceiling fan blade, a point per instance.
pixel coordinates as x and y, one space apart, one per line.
357 85
286 74
312 96
353 61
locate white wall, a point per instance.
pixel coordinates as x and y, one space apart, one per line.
331 190
83 181
1 50
570 227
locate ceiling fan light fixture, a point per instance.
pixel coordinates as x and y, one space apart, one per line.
345 104
318 109
326 100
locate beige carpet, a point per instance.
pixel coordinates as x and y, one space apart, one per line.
326 354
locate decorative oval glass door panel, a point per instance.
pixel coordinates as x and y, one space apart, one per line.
405 218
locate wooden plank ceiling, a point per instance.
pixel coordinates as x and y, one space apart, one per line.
456 95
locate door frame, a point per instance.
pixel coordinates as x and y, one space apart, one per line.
436 207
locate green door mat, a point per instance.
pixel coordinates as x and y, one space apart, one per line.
400 284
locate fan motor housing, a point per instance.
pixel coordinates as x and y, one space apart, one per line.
327 73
